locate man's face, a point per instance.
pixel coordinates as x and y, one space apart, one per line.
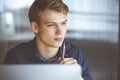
52 28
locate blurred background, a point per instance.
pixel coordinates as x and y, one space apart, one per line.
93 25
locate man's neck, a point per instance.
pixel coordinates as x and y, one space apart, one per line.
46 51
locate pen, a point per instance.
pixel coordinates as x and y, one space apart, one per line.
63 53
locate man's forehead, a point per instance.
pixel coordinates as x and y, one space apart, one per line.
51 16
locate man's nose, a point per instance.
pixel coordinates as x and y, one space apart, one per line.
58 30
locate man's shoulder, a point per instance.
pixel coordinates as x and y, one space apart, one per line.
73 49
20 53
21 48
72 46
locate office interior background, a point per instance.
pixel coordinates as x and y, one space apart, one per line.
93 25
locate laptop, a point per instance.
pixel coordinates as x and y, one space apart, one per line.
40 72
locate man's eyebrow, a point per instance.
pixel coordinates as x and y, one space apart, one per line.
47 22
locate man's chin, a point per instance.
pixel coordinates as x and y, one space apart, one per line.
58 45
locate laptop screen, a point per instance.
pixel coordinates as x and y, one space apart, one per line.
40 72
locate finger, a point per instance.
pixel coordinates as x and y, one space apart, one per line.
60 59
65 60
71 62
68 61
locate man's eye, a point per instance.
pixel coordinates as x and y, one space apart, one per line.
64 23
50 25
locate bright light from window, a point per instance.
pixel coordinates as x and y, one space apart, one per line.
9 18
17 4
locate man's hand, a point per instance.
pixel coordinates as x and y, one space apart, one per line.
67 60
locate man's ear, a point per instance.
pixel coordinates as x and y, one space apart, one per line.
34 27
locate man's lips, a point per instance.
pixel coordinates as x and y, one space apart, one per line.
58 39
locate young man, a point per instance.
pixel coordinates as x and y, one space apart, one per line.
48 22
